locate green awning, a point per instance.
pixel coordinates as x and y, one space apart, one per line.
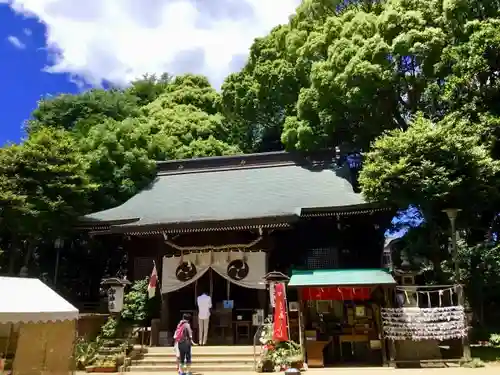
341 277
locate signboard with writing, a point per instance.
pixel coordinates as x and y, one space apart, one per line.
280 329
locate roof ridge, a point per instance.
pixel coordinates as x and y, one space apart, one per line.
245 161
224 169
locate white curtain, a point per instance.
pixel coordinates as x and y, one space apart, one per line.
169 280
219 262
257 267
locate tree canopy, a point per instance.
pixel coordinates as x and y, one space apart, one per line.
44 188
438 165
44 183
182 122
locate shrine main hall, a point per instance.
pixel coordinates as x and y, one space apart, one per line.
218 225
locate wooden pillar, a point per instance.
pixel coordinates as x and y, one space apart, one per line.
164 320
165 312
302 338
155 332
263 300
380 324
466 353
392 345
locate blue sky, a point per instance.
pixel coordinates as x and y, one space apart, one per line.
48 45
21 72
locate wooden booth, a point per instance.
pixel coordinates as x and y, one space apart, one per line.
340 314
37 328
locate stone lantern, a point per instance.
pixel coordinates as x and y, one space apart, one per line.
115 291
406 273
271 279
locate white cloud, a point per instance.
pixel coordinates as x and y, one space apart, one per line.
27 32
14 40
119 40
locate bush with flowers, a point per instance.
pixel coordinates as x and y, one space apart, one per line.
278 356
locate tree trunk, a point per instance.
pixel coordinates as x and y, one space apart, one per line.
435 250
13 255
27 258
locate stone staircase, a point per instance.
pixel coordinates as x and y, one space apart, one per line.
206 359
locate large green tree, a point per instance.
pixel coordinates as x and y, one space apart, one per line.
44 188
433 166
80 112
183 122
257 99
344 72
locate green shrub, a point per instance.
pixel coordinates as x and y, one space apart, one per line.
135 302
475 363
86 352
108 330
494 339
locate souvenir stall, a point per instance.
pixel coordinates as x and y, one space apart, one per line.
424 319
38 328
231 323
341 322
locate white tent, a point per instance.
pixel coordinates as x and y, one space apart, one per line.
41 326
24 300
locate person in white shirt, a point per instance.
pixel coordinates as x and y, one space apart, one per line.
204 305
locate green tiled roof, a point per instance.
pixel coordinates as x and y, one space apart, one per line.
234 193
341 277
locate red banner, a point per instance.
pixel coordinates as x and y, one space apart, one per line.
336 294
280 327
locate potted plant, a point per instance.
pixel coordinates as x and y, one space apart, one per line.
86 352
278 356
106 364
297 362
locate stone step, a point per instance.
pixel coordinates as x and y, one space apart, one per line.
205 359
170 354
195 368
202 350
152 361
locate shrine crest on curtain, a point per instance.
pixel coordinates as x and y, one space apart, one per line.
246 269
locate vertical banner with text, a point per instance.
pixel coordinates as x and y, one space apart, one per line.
280 329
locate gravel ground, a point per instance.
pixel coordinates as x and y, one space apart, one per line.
493 370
